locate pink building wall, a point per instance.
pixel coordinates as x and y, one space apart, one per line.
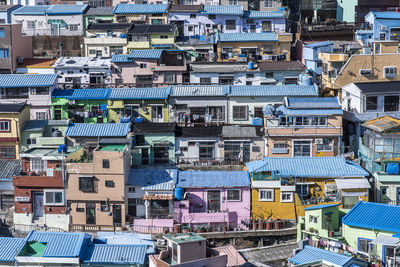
152 225
232 212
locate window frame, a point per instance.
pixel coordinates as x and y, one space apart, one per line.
389 75
302 140
92 190
109 183
230 26
234 200
289 200
8 126
244 118
272 199
53 191
106 163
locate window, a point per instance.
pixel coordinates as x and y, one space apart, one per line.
268 3
286 197
206 150
37 164
233 194
1 32
92 51
389 72
364 245
312 219
324 148
249 83
269 75
192 16
31 141
73 28
230 24
249 75
213 201
211 16
4 126
365 72
143 65
239 112
302 189
163 36
169 77
31 24
266 195
7 152
41 116
104 207
302 148
280 145
382 36
391 103
4 53
39 91
268 48
116 50
190 28
290 80
110 184
86 184
371 103
106 163
256 149
131 189
205 80
53 197
233 2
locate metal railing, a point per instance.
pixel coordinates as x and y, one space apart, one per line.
25 228
94 228
199 161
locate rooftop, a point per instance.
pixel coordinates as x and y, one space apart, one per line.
185 8
385 14
324 206
9 168
108 26
38 125
273 90
154 128
140 93
99 11
252 14
51 10
247 37
118 148
140 8
199 131
317 167
383 124
153 179
212 179
27 80
81 94
310 254
200 90
313 103
45 153
318 44
10 247
7 7
98 129
115 254
378 87
223 10
374 216
37 63
184 238
280 65
12 108
82 62
150 53
235 131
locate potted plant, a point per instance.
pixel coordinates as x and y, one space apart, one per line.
185 229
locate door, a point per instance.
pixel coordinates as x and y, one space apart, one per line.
117 216
132 207
37 205
252 28
157 113
258 112
90 213
145 156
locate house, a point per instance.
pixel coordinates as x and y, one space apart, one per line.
187 104
83 72
363 7
253 46
150 199
147 103
153 14
312 256
212 199
191 248
13 47
8 168
54 20
304 127
43 133
331 65
96 186
264 21
13 118
378 153
80 105
36 66
384 25
154 144
40 188
280 72
145 68
34 89
5 13
92 134
106 39
98 14
268 5
246 102
366 230
282 187
311 59
151 36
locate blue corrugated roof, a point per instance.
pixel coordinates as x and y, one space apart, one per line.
82 93
115 254
27 80
364 31
313 102
247 37
273 90
223 10
386 14
319 44
31 10
140 93
200 90
59 244
66 9
308 167
374 216
98 129
10 247
121 238
263 14
310 254
140 8
310 112
324 206
149 53
213 179
153 179
120 59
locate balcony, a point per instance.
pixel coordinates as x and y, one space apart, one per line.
333 57
39 181
290 131
170 67
214 161
49 141
105 41
382 177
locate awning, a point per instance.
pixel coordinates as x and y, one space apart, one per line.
161 45
353 194
158 197
386 240
352 183
57 22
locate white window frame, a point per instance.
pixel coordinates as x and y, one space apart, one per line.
234 200
52 203
246 115
6 123
311 147
220 199
287 200
272 199
389 75
43 113
44 164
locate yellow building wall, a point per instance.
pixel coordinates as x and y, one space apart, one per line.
115 110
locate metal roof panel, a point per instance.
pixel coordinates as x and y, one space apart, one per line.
140 93
10 247
82 94
98 129
115 254
153 179
140 8
213 179
200 90
310 254
273 90
27 80
247 37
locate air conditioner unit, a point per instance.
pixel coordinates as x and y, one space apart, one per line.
383 28
319 141
50 172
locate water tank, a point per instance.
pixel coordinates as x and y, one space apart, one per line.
62 148
56 133
392 168
306 80
139 120
122 36
179 192
257 122
125 119
250 66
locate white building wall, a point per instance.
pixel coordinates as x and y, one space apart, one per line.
51 220
352 99
277 25
139 193
193 151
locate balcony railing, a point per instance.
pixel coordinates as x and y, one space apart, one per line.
159 213
199 161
